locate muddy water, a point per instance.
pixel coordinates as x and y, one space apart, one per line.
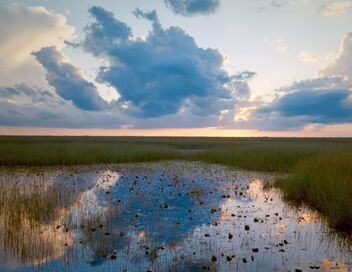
170 216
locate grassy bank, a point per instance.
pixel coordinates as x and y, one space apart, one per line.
320 169
325 184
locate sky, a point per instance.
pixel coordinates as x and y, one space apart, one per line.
176 67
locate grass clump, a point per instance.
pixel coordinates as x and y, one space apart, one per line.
27 212
325 184
269 159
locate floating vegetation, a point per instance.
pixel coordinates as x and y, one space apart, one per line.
176 218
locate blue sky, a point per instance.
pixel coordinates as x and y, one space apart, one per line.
230 65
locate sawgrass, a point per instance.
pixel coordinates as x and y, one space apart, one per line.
319 170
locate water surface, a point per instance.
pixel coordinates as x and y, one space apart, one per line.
169 216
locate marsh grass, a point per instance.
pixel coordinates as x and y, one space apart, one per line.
264 154
325 184
47 154
267 159
319 170
26 214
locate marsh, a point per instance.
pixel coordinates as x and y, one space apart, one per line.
165 216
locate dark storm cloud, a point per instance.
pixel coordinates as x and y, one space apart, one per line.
192 7
162 74
68 81
322 100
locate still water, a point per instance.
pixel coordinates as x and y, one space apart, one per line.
168 216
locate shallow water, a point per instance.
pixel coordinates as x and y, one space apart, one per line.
170 216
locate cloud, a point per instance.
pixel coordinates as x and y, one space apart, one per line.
165 81
342 64
324 100
240 84
335 8
36 94
25 105
106 31
278 44
62 115
68 81
299 2
192 7
22 31
244 76
278 4
309 57
164 74
272 5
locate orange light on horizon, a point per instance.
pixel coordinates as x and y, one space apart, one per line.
310 131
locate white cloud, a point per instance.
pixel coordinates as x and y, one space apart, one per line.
335 8
309 57
278 44
342 64
278 4
22 31
300 2
322 100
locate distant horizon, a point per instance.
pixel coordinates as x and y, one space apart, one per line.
203 132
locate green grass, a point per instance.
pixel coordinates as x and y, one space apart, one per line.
259 158
319 169
46 154
323 183
264 154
